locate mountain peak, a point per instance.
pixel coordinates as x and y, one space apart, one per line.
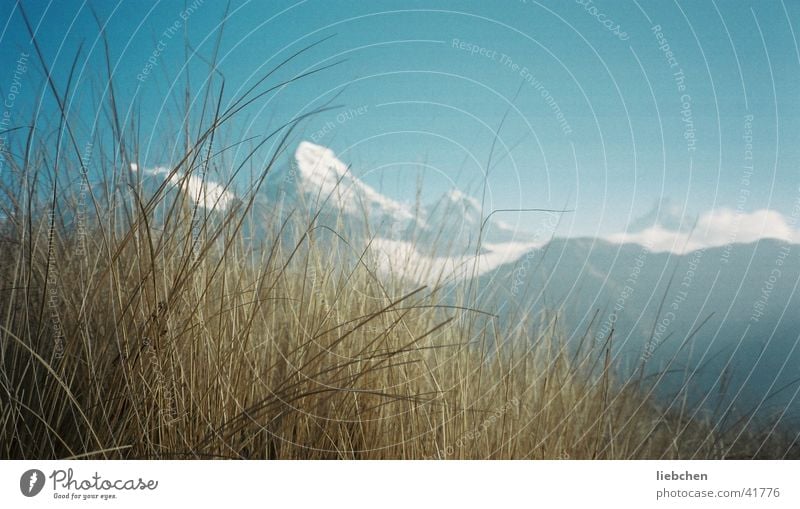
468 207
319 167
457 196
322 174
665 215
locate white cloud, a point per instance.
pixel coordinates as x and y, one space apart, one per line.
209 195
402 258
716 228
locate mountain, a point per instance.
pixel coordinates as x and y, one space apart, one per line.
719 322
665 215
703 309
425 244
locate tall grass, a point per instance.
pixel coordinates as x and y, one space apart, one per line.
136 324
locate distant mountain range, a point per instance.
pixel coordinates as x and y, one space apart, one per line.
707 308
721 321
427 242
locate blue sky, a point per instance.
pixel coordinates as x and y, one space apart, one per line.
595 110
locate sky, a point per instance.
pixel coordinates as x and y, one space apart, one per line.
608 108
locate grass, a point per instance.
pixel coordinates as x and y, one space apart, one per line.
136 324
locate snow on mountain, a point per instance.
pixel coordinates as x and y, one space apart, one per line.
422 244
322 174
439 242
467 206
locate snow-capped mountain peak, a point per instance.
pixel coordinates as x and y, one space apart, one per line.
319 167
322 174
434 241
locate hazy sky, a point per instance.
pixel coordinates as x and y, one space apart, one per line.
602 115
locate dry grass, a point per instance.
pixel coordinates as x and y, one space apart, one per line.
165 356
161 331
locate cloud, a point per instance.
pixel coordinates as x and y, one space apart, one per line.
209 195
715 228
402 258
